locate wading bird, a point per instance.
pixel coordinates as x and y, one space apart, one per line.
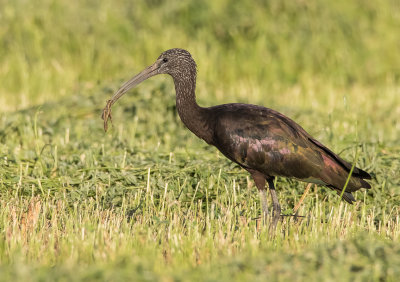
262 141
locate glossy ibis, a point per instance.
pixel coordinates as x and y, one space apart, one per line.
262 141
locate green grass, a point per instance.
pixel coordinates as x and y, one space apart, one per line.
148 200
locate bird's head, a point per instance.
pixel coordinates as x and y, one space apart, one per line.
176 62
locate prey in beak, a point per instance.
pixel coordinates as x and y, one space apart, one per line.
142 76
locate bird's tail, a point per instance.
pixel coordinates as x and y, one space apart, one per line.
356 182
337 172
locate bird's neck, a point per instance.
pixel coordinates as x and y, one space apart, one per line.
196 118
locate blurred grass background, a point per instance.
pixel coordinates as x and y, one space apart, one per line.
150 199
53 49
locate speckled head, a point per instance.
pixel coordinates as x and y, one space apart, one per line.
176 62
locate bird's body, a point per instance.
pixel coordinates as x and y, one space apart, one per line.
263 141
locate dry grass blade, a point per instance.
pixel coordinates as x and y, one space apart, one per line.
107 114
296 208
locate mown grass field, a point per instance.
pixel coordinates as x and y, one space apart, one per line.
149 201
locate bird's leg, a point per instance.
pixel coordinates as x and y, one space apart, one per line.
264 204
275 202
259 180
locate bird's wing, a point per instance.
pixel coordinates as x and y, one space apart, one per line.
269 142
262 141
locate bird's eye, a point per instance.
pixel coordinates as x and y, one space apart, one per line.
165 60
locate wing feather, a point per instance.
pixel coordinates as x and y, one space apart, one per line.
263 139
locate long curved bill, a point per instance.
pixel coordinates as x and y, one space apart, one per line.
142 76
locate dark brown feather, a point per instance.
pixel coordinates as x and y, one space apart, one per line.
269 142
